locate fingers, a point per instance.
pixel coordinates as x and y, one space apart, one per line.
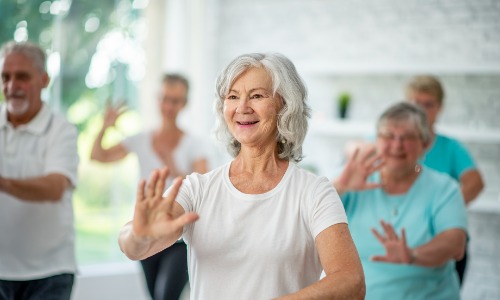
160 185
151 186
140 190
380 258
186 219
389 230
353 157
379 237
403 236
172 193
372 185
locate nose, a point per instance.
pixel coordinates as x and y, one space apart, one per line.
243 107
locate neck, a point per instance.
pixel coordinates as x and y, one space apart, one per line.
259 160
396 182
168 126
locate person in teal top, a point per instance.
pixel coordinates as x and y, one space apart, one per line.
445 154
408 221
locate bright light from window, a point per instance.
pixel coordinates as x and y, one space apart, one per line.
54 64
60 7
21 34
45 7
98 71
140 4
92 24
21 24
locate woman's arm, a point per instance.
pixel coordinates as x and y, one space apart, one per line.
158 222
344 274
471 185
449 244
116 152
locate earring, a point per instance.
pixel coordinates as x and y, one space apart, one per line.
283 141
418 168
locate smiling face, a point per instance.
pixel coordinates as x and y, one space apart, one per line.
401 145
250 109
22 84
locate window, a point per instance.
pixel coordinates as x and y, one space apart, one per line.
94 59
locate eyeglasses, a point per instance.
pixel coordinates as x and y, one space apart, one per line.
405 138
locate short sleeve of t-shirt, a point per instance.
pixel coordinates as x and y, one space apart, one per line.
449 156
448 210
326 209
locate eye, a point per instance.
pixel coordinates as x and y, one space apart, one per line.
256 96
231 97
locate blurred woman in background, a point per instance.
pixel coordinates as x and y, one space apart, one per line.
412 213
165 272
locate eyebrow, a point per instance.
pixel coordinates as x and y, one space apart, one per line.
252 90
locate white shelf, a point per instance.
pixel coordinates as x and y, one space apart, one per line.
360 129
334 68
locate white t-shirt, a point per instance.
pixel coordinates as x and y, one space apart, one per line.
189 150
256 246
37 239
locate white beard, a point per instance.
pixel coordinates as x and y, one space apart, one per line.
17 106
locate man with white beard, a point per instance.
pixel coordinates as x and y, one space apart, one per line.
38 173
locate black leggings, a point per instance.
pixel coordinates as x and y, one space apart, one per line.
166 272
460 267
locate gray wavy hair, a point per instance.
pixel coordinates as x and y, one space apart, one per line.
28 49
407 112
286 82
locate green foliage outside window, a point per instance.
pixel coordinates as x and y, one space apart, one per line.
77 31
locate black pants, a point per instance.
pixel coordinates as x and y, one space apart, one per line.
56 287
460 267
166 272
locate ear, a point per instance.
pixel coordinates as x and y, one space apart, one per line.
45 79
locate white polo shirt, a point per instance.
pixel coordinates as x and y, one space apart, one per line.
37 239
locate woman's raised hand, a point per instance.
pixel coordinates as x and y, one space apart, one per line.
112 114
360 165
396 249
157 217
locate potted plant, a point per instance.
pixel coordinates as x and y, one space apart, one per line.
344 100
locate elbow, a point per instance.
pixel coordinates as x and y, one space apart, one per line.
360 287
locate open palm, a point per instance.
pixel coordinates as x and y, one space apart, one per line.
155 216
397 251
360 165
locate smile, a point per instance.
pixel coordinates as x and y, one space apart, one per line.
247 123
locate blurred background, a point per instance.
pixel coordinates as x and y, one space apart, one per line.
103 51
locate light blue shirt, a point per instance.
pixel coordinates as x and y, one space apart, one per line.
449 156
433 204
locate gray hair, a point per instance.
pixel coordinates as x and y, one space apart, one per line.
407 112
427 84
32 51
286 82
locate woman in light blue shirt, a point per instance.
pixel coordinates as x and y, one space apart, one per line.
408 221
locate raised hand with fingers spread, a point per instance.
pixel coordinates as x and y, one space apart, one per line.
155 216
360 165
158 221
112 114
397 250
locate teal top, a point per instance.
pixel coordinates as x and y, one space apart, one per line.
449 156
433 204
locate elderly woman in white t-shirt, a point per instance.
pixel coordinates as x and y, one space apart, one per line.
258 227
